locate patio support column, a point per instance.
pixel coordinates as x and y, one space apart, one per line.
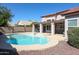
41 28
52 28
66 29
33 28
25 28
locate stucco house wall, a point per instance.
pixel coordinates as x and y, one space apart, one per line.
66 23
66 15
73 17
65 18
57 17
47 18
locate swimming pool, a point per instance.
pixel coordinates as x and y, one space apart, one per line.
20 39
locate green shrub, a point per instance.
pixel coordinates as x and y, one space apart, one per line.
73 37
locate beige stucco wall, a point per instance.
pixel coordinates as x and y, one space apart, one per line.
65 18
47 18
66 23
22 29
24 23
58 17
16 29
73 17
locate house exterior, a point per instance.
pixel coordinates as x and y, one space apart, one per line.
59 22
23 26
21 22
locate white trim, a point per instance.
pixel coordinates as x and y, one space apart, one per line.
72 19
66 29
41 28
33 28
52 28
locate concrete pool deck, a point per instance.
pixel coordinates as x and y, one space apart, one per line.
62 48
53 40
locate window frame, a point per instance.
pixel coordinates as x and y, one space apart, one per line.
72 20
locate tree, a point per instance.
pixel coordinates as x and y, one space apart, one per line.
5 16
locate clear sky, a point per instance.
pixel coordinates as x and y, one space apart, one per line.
34 11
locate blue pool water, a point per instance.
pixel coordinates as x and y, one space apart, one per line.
20 39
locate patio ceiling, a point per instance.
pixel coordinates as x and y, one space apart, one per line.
58 21
45 22
49 22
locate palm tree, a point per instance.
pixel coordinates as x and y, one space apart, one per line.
5 16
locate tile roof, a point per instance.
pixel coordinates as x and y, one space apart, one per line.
72 10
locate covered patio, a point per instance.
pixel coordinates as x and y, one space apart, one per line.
43 27
53 27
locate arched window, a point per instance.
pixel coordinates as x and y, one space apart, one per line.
52 20
49 20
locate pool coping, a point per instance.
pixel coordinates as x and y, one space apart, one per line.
51 43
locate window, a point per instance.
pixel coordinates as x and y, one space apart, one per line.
49 20
48 27
72 23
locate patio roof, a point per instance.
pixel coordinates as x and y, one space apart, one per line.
45 22
48 22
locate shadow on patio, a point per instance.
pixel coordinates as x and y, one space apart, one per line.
6 48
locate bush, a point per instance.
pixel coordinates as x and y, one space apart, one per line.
73 37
